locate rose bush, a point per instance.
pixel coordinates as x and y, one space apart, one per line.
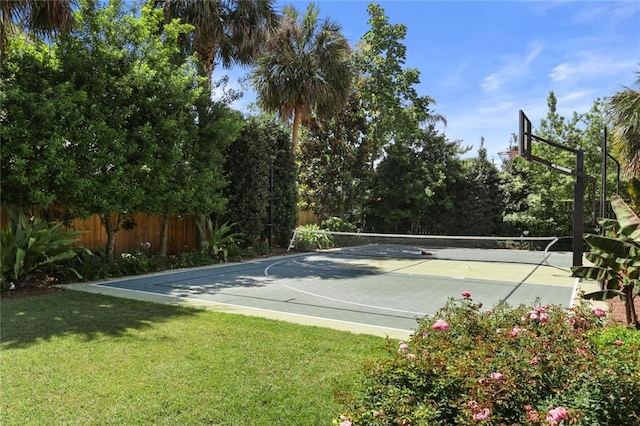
540 365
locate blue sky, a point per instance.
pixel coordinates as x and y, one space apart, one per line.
483 61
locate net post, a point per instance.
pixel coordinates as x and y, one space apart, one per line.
293 238
578 207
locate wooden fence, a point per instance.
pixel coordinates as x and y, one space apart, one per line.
181 233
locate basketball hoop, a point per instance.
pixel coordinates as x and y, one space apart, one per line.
507 158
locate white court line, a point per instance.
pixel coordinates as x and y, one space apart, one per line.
242 307
574 293
266 273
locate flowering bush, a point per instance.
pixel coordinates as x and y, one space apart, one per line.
540 365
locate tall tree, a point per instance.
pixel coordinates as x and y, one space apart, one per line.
262 169
40 17
225 32
624 112
479 204
305 69
334 162
412 187
394 108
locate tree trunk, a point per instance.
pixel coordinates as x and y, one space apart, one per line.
111 231
297 119
164 232
201 225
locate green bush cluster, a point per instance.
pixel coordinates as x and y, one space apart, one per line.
307 239
536 365
337 224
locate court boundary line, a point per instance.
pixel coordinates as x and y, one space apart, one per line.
249 308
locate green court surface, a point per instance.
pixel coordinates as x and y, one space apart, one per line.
364 293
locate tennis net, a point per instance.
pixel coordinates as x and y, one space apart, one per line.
524 249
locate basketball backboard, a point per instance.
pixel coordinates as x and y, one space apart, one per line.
524 137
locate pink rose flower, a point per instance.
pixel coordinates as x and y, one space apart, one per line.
599 312
480 415
403 346
411 357
535 360
440 325
556 415
515 331
345 423
466 294
619 342
496 376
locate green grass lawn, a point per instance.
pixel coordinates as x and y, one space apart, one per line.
80 358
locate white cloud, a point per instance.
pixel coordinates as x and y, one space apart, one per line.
514 68
589 65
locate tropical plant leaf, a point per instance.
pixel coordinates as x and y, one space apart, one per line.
610 246
628 219
593 272
604 295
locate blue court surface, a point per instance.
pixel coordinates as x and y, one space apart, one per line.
349 290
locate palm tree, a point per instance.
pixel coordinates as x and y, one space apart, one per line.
624 112
226 32
305 69
42 17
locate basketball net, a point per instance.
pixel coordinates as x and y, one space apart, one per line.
507 158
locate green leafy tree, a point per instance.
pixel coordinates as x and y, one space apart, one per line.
304 69
225 32
334 163
124 136
36 109
394 108
615 258
624 113
261 148
411 187
478 205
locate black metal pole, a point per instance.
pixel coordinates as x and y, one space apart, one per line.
578 209
603 190
271 207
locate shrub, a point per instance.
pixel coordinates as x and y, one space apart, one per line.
220 240
30 249
337 224
539 365
310 241
137 262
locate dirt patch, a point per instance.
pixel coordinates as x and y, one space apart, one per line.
617 310
28 292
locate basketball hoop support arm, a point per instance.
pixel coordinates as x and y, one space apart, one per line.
578 190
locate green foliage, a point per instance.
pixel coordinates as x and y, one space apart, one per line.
311 241
304 69
478 202
615 257
30 249
393 106
335 167
524 365
220 239
412 188
262 148
337 224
